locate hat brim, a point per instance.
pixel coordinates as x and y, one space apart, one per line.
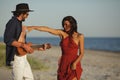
23 11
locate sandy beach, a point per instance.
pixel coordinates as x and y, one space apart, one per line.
97 65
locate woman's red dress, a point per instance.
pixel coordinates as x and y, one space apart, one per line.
69 55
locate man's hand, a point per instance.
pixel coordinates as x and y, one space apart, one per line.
28 48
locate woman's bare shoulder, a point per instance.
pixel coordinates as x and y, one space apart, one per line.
80 35
62 32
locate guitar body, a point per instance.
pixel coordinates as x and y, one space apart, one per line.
21 51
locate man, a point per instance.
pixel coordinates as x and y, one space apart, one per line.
21 68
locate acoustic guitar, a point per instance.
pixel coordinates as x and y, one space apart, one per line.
22 51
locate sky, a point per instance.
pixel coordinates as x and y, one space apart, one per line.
95 18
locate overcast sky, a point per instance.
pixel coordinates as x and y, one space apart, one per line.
95 18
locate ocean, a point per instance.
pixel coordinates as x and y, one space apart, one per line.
106 44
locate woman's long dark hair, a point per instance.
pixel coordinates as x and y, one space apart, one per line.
73 24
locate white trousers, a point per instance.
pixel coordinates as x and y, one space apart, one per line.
21 69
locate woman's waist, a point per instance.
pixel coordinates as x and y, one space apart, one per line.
67 55
69 51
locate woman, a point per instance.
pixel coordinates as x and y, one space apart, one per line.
71 41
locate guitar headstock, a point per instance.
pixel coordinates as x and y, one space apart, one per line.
48 45
41 47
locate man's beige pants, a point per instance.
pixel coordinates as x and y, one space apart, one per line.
21 69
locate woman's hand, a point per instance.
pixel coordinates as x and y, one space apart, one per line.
24 28
29 29
73 66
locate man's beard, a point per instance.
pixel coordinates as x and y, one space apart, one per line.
23 20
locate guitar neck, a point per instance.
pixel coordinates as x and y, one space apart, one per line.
36 47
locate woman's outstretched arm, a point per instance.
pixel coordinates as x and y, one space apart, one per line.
46 29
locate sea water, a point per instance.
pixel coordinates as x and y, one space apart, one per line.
107 44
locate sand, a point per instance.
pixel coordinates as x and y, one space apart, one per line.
97 65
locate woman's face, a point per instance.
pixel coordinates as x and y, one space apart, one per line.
67 26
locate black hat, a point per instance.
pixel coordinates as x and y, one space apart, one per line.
22 7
